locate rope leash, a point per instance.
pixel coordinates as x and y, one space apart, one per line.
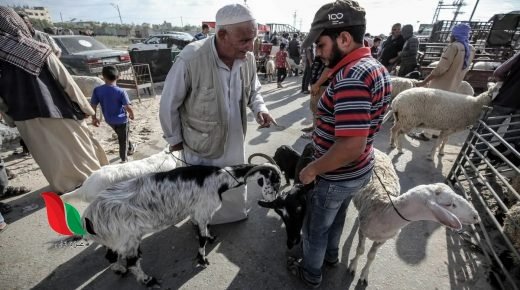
387 193
183 161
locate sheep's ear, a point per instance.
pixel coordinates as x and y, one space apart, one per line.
444 217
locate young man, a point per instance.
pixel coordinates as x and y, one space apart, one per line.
205 97
391 47
115 105
203 34
350 113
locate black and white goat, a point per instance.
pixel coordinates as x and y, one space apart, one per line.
288 160
121 215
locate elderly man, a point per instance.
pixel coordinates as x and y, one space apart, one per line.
203 106
349 117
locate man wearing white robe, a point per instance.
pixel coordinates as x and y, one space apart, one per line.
236 31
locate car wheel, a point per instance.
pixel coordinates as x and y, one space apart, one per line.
134 49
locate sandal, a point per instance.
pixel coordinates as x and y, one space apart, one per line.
3 226
308 129
5 208
14 191
295 269
10 174
307 135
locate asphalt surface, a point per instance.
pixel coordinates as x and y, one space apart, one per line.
250 254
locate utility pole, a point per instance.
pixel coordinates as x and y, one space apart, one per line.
119 12
182 24
294 19
61 16
474 8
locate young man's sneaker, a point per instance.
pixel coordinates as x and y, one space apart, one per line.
295 268
331 264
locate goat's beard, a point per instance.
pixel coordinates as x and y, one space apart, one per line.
336 56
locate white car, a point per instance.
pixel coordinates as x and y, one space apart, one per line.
173 41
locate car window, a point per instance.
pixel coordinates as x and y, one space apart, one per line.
80 43
153 40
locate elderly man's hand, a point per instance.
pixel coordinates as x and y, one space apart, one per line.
265 120
176 147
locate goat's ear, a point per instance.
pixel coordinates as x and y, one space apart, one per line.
260 181
444 217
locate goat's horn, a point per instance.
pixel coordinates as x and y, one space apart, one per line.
269 158
260 167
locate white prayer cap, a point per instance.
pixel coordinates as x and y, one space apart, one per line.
233 14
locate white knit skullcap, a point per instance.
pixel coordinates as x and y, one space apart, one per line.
233 14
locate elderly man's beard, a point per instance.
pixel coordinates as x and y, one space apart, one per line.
336 56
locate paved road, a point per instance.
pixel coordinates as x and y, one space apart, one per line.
251 254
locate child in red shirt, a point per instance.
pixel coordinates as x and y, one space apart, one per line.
281 64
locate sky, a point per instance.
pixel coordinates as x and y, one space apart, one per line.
380 14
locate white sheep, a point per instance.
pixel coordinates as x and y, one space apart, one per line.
109 175
486 65
436 109
400 84
270 69
379 220
87 84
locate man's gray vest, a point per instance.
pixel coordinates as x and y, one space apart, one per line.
203 114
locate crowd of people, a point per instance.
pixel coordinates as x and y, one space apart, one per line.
206 95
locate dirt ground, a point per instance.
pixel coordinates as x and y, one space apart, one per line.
249 254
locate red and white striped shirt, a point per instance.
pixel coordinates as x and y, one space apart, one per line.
353 104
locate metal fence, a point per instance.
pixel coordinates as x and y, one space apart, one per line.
135 76
486 172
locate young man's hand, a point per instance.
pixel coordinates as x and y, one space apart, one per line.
95 121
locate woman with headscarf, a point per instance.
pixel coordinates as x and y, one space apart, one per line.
454 63
450 71
39 97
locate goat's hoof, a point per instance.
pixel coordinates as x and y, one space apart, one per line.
352 272
121 273
119 269
212 239
441 153
202 261
151 282
400 151
392 146
429 157
363 282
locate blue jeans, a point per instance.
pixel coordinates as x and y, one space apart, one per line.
327 207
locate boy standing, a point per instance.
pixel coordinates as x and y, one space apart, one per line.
115 104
